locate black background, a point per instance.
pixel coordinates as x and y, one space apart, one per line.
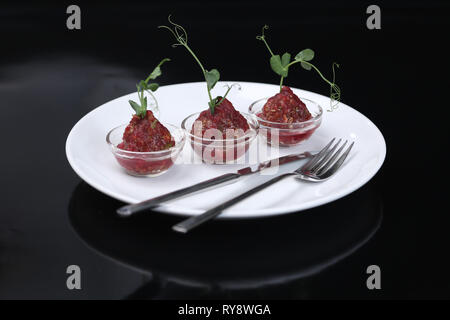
50 77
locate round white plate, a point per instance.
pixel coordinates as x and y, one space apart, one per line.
90 157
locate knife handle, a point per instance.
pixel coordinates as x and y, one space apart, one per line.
130 209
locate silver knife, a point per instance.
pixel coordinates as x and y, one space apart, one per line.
130 209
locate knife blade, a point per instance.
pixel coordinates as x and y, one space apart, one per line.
130 209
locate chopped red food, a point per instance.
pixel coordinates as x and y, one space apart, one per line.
285 114
225 117
146 134
141 167
285 107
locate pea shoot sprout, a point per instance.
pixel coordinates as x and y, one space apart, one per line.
211 76
280 65
145 86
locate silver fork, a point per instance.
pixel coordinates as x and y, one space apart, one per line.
319 168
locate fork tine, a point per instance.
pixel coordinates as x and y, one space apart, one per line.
330 162
317 157
324 159
338 163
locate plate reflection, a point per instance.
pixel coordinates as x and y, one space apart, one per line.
230 258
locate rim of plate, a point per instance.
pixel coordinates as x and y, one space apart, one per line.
260 213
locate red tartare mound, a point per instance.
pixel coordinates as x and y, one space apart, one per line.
146 134
285 107
225 117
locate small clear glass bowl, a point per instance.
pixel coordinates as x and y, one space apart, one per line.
146 164
287 134
213 148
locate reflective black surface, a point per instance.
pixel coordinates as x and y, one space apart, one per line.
237 254
50 77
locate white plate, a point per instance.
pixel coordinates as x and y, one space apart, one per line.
90 157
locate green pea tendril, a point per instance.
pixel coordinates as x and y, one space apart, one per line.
211 76
280 65
145 86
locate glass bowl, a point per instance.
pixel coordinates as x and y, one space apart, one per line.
213 147
148 164
287 134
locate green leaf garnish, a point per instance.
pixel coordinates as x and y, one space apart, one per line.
285 59
136 107
305 66
211 77
153 86
155 74
157 71
144 85
144 104
305 55
281 67
277 66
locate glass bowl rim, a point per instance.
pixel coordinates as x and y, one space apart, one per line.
314 119
178 144
251 133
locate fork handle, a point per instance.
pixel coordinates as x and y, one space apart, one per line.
130 209
192 222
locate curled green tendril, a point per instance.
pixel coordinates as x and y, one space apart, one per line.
262 37
228 90
211 76
335 91
178 32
